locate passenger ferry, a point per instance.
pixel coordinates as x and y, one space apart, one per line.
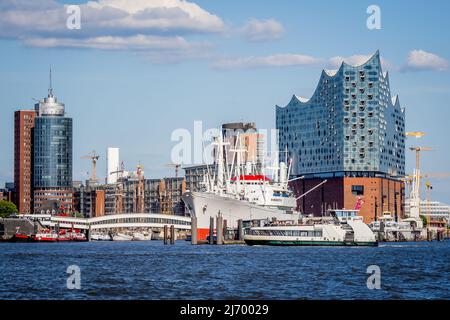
341 228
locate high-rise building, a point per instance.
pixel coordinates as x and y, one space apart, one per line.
112 165
352 133
245 136
23 159
240 135
52 156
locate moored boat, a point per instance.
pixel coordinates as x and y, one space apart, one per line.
242 191
142 236
45 236
121 237
343 228
100 237
18 237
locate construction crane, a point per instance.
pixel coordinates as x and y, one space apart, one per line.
93 156
416 134
176 166
418 150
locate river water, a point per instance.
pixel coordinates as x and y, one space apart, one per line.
150 270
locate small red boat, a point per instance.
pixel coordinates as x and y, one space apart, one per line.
18 237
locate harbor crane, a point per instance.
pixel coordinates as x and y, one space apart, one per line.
93 156
418 150
416 134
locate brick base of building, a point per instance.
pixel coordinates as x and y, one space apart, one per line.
53 200
378 195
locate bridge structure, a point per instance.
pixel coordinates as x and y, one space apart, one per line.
116 221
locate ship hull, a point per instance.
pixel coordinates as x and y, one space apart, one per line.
308 243
204 205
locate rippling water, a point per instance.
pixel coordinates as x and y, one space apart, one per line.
150 270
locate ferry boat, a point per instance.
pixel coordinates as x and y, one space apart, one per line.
342 228
243 193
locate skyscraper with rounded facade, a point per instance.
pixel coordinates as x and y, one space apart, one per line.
352 133
52 156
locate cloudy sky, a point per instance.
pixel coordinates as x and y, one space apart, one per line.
137 70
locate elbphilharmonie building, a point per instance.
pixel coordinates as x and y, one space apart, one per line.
352 133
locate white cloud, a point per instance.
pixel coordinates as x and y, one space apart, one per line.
420 60
106 17
139 42
158 26
354 60
278 60
262 30
281 60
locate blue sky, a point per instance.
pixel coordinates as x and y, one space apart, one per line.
131 82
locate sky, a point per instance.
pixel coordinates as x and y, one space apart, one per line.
135 71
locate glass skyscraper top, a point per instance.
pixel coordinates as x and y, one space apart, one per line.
350 125
52 145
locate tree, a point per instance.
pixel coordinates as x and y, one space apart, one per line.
424 220
7 208
77 214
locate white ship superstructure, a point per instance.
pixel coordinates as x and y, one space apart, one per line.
341 228
241 191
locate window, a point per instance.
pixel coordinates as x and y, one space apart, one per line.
358 190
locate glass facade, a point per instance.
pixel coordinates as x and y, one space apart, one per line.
351 124
53 152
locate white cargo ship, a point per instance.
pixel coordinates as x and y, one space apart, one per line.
241 192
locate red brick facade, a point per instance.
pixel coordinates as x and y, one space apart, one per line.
23 159
378 195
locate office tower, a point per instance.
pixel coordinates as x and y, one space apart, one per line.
52 156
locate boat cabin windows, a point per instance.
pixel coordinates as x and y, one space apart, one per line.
286 233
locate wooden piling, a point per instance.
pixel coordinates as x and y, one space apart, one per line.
172 235
225 229
194 230
165 235
219 230
211 230
89 233
240 230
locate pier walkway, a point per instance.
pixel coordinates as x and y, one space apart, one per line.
126 220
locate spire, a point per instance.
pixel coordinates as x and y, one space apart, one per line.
50 88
